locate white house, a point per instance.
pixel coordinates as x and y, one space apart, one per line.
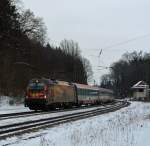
141 91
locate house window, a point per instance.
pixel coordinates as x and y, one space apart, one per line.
141 90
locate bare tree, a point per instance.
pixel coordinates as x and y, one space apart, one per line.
88 69
33 27
106 81
134 56
82 70
70 47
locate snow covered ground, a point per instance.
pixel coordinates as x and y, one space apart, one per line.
6 107
129 126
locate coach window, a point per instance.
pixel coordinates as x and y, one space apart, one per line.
80 91
83 93
86 92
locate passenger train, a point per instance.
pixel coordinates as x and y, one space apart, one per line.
43 94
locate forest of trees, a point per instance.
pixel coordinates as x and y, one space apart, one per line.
25 52
124 73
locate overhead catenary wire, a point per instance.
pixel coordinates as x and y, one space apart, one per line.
119 44
102 49
125 42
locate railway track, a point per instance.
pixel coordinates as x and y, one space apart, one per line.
19 114
33 113
18 128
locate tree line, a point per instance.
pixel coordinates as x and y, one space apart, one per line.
130 69
25 52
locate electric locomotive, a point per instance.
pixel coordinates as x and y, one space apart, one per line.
36 94
46 93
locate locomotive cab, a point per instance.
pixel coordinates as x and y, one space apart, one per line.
36 95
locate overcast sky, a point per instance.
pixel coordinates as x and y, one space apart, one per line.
95 25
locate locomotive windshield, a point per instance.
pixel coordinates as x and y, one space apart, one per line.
36 89
36 86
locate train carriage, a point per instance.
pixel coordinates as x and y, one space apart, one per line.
87 94
106 95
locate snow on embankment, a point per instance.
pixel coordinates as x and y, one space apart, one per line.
9 105
129 126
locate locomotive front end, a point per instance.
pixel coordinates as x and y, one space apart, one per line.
36 95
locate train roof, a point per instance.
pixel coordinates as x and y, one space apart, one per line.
50 82
106 90
63 83
36 80
83 86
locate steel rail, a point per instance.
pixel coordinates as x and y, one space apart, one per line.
13 129
32 113
19 114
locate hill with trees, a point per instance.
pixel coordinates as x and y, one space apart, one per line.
25 52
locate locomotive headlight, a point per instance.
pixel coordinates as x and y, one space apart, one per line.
45 96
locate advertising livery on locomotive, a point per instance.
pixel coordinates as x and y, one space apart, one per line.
44 93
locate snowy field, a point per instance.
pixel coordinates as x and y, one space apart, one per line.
129 126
